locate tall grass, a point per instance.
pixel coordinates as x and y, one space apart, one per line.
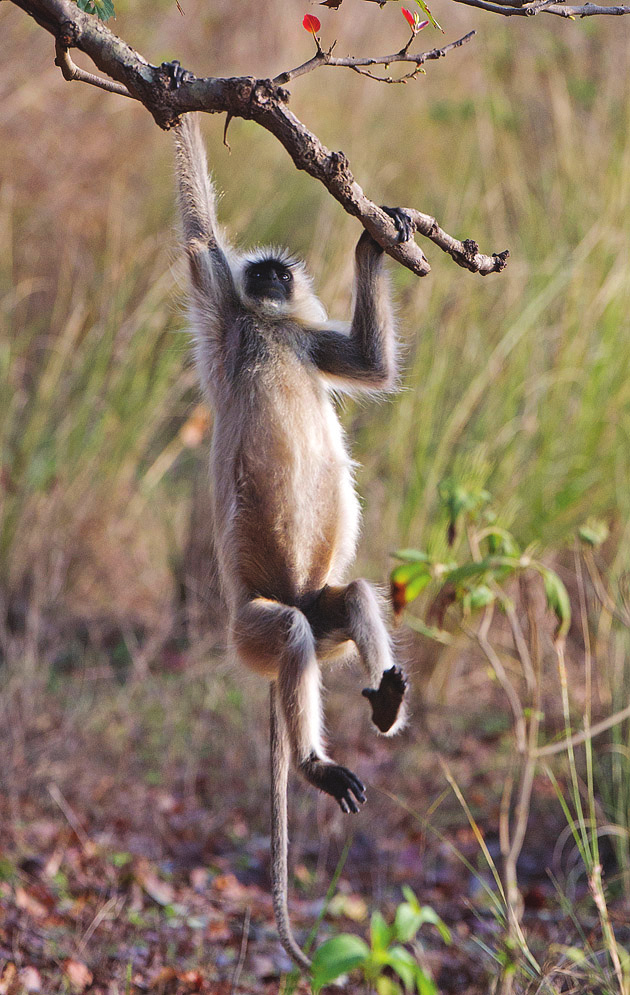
522 379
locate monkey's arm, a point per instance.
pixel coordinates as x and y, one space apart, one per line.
367 356
210 269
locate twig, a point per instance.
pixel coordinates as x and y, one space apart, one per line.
70 72
326 58
466 253
600 590
243 951
582 737
597 891
492 656
520 642
102 914
70 815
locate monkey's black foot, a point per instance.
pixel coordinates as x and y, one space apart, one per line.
404 224
335 780
176 73
387 698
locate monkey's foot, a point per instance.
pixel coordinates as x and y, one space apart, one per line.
403 222
335 780
387 698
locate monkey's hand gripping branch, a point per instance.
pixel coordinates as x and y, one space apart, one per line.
168 94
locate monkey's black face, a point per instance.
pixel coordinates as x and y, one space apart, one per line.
269 280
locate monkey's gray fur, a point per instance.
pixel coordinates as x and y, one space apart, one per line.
286 516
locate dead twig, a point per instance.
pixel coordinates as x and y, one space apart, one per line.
326 58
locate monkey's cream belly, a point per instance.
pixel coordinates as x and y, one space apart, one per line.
294 520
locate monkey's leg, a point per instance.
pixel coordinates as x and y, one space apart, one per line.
267 632
354 612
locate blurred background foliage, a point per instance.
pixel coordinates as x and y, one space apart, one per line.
520 382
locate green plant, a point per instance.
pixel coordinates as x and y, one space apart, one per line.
387 954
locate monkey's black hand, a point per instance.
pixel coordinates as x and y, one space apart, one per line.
176 73
386 699
335 780
404 225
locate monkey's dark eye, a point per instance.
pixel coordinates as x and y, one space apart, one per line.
285 276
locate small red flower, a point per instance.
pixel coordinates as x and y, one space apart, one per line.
311 23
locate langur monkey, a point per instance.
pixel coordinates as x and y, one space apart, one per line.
286 516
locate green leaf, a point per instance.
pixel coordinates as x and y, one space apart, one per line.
406 572
594 532
416 587
431 917
404 964
407 582
411 555
380 932
104 9
424 984
479 597
422 5
407 922
411 897
385 986
337 956
557 599
456 498
501 541
503 565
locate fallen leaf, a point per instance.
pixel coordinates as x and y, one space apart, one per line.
7 980
78 974
30 979
160 891
163 980
193 980
229 885
351 906
26 901
199 877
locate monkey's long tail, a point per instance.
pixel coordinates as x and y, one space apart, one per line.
279 830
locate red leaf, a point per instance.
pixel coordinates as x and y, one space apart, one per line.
311 23
410 18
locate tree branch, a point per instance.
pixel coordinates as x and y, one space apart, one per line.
71 72
510 8
322 58
262 101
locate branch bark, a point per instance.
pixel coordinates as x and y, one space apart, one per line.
262 101
519 8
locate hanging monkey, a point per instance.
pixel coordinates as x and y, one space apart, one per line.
285 512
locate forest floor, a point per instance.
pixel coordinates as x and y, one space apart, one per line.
135 858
